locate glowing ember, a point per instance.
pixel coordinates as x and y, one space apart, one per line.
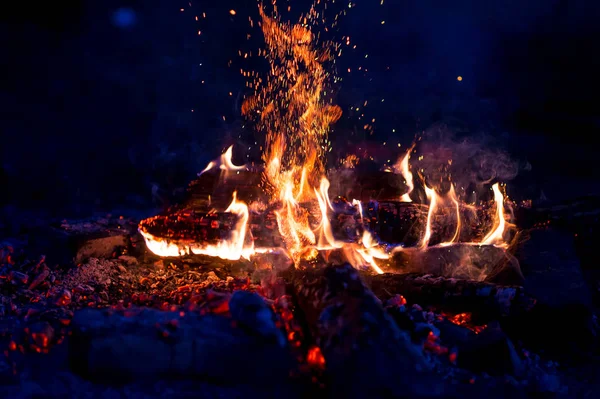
315 357
464 319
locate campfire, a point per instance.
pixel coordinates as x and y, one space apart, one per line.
287 205
300 275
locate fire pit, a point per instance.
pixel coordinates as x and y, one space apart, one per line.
289 278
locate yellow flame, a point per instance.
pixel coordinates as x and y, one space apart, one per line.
356 202
495 236
403 168
326 239
432 196
371 251
224 162
289 106
292 221
227 163
454 199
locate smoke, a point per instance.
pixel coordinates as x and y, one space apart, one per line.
471 163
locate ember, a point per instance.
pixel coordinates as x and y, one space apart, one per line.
464 319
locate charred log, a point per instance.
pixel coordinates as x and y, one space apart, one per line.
366 354
367 185
486 301
214 189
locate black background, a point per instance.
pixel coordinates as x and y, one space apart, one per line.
94 114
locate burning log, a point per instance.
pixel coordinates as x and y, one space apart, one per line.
486 301
189 226
366 354
405 222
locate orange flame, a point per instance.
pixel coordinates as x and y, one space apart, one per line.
495 236
293 221
290 108
369 252
402 167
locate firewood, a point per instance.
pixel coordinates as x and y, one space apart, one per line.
486 301
463 261
366 354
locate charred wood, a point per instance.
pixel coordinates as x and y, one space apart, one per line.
521 316
486 301
214 189
367 185
366 354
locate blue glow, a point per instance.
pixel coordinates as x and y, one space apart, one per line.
124 17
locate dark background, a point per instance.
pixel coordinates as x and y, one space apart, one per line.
97 96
